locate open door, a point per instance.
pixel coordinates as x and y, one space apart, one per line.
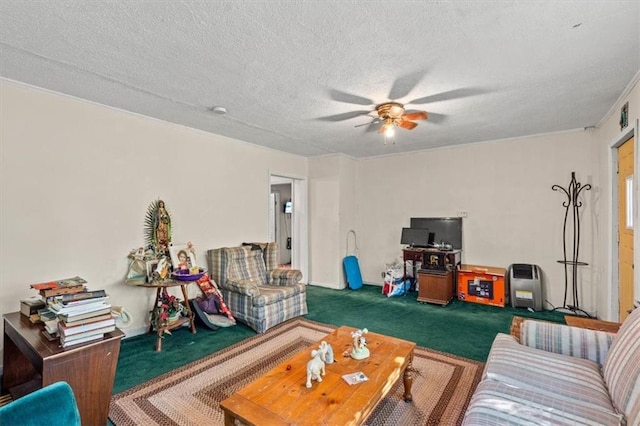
626 195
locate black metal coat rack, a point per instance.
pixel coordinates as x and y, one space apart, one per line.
571 264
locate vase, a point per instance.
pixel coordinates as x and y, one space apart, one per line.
173 318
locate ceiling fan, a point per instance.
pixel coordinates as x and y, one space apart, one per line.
392 114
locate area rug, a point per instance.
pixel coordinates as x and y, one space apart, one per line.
190 395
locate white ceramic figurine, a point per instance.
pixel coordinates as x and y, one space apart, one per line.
315 367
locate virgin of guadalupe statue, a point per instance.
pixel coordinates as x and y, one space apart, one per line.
158 228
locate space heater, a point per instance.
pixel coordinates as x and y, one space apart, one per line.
525 282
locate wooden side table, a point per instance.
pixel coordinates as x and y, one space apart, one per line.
592 324
160 286
31 361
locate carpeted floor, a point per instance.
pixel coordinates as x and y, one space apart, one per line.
190 395
460 328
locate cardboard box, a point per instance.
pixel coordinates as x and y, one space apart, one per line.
482 284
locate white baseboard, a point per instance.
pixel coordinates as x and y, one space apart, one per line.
326 285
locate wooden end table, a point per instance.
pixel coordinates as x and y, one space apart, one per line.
592 324
32 361
160 286
280 396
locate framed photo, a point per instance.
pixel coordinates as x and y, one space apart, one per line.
624 116
152 265
182 257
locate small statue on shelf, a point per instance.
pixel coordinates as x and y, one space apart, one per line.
158 228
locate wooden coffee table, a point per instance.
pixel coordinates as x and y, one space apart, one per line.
281 397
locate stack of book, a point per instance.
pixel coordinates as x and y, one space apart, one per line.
83 317
58 287
79 315
49 290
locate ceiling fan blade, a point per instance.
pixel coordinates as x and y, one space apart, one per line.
405 84
348 98
373 126
375 121
450 94
436 118
418 115
409 125
344 116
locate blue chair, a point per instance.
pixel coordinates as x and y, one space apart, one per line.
52 405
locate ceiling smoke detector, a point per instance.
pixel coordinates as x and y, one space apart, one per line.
219 110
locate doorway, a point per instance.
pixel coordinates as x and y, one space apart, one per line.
625 201
280 220
624 288
288 221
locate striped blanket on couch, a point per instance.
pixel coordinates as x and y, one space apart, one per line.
561 375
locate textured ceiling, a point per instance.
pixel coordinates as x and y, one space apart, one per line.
298 76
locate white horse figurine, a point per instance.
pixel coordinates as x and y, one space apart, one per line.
315 367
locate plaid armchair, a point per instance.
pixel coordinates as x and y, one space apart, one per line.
257 292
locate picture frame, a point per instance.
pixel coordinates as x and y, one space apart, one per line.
177 253
152 265
624 116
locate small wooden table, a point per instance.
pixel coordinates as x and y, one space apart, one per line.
592 324
160 286
31 361
280 396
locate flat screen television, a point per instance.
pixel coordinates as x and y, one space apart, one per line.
446 229
416 237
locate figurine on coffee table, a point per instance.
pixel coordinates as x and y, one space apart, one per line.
360 350
315 367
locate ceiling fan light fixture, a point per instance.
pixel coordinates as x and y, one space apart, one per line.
389 130
396 110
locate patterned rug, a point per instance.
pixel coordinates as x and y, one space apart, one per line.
190 395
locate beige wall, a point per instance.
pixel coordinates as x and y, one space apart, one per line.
348 199
505 186
333 213
76 180
324 221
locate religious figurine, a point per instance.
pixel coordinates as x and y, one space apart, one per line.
360 350
158 228
163 228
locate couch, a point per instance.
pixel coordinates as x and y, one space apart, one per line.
257 292
51 405
561 375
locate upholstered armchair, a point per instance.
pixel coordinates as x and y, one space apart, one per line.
257 292
54 404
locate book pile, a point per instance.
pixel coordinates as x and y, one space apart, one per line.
75 314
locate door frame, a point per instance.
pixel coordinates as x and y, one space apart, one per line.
299 220
631 131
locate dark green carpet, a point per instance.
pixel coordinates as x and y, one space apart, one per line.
461 328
